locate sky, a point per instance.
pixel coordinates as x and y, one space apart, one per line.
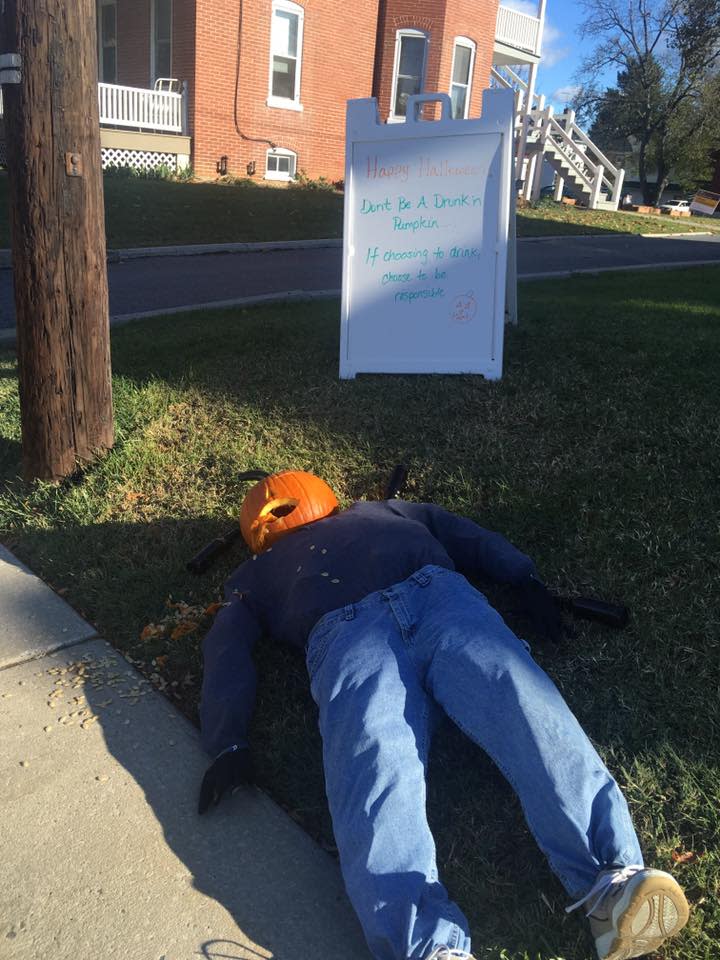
562 50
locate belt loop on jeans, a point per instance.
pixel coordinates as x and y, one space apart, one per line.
349 611
422 579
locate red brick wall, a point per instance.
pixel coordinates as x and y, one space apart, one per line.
476 21
443 20
337 64
347 52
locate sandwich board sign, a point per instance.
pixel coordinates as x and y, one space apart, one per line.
425 253
705 202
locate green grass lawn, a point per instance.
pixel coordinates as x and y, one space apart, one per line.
142 213
549 219
597 454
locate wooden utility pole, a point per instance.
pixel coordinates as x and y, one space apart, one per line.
58 234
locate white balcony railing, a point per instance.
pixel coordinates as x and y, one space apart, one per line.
518 30
138 108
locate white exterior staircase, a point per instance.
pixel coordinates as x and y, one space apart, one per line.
581 168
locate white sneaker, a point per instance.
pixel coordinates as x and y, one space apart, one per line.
633 910
446 953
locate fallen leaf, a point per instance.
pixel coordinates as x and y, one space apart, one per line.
183 629
213 609
684 856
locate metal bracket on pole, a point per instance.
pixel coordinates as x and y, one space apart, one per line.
10 65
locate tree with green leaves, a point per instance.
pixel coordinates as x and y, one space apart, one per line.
667 57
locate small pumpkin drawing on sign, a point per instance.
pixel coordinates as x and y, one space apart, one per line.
464 308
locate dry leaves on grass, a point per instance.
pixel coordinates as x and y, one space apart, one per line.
684 856
181 620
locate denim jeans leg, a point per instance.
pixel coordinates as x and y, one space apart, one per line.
374 721
487 682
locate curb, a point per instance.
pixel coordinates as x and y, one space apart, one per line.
7 337
202 249
596 271
199 249
690 233
288 296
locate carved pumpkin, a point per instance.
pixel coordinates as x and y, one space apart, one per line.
281 503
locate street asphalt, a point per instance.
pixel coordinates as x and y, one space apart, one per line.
143 284
103 853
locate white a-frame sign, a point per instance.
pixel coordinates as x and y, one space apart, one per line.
427 206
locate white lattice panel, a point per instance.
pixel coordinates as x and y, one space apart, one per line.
138 159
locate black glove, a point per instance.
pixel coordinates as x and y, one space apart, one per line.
228 771
541 609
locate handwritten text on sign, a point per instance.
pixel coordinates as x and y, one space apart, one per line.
426 222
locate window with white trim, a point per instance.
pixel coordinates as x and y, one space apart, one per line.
461 77
107 40
161 51
409 70
286 36
280 164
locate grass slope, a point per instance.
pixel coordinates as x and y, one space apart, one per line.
597 454
142 213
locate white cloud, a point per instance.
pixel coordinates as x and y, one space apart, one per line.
553 50
522 6
554 47
564 95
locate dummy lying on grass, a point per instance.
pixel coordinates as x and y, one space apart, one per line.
393 632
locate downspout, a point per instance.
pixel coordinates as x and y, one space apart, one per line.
237 87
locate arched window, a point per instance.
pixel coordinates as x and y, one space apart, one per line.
286 36
409 69
461 76
280 164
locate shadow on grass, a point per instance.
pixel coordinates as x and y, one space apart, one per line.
484 848
10 457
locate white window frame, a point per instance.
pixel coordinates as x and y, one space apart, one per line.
101 46
275 174
153 58
287 103
406 32
469 44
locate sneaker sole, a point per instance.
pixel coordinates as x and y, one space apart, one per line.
648 913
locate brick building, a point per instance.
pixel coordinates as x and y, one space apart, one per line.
265 82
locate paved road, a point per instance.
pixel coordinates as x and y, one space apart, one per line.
159 283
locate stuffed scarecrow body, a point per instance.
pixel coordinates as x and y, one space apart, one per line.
393 633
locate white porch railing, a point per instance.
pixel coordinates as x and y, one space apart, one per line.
504 76
139 108
575 159
518 30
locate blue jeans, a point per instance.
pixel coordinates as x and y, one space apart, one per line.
378 668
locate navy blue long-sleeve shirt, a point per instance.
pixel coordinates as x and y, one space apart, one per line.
325 565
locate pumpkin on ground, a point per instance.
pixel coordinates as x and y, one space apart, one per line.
281 503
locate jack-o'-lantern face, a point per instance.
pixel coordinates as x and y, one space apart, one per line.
464 308
283 502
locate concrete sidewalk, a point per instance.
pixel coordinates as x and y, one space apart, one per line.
102 849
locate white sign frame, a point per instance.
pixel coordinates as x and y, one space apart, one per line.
495 130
